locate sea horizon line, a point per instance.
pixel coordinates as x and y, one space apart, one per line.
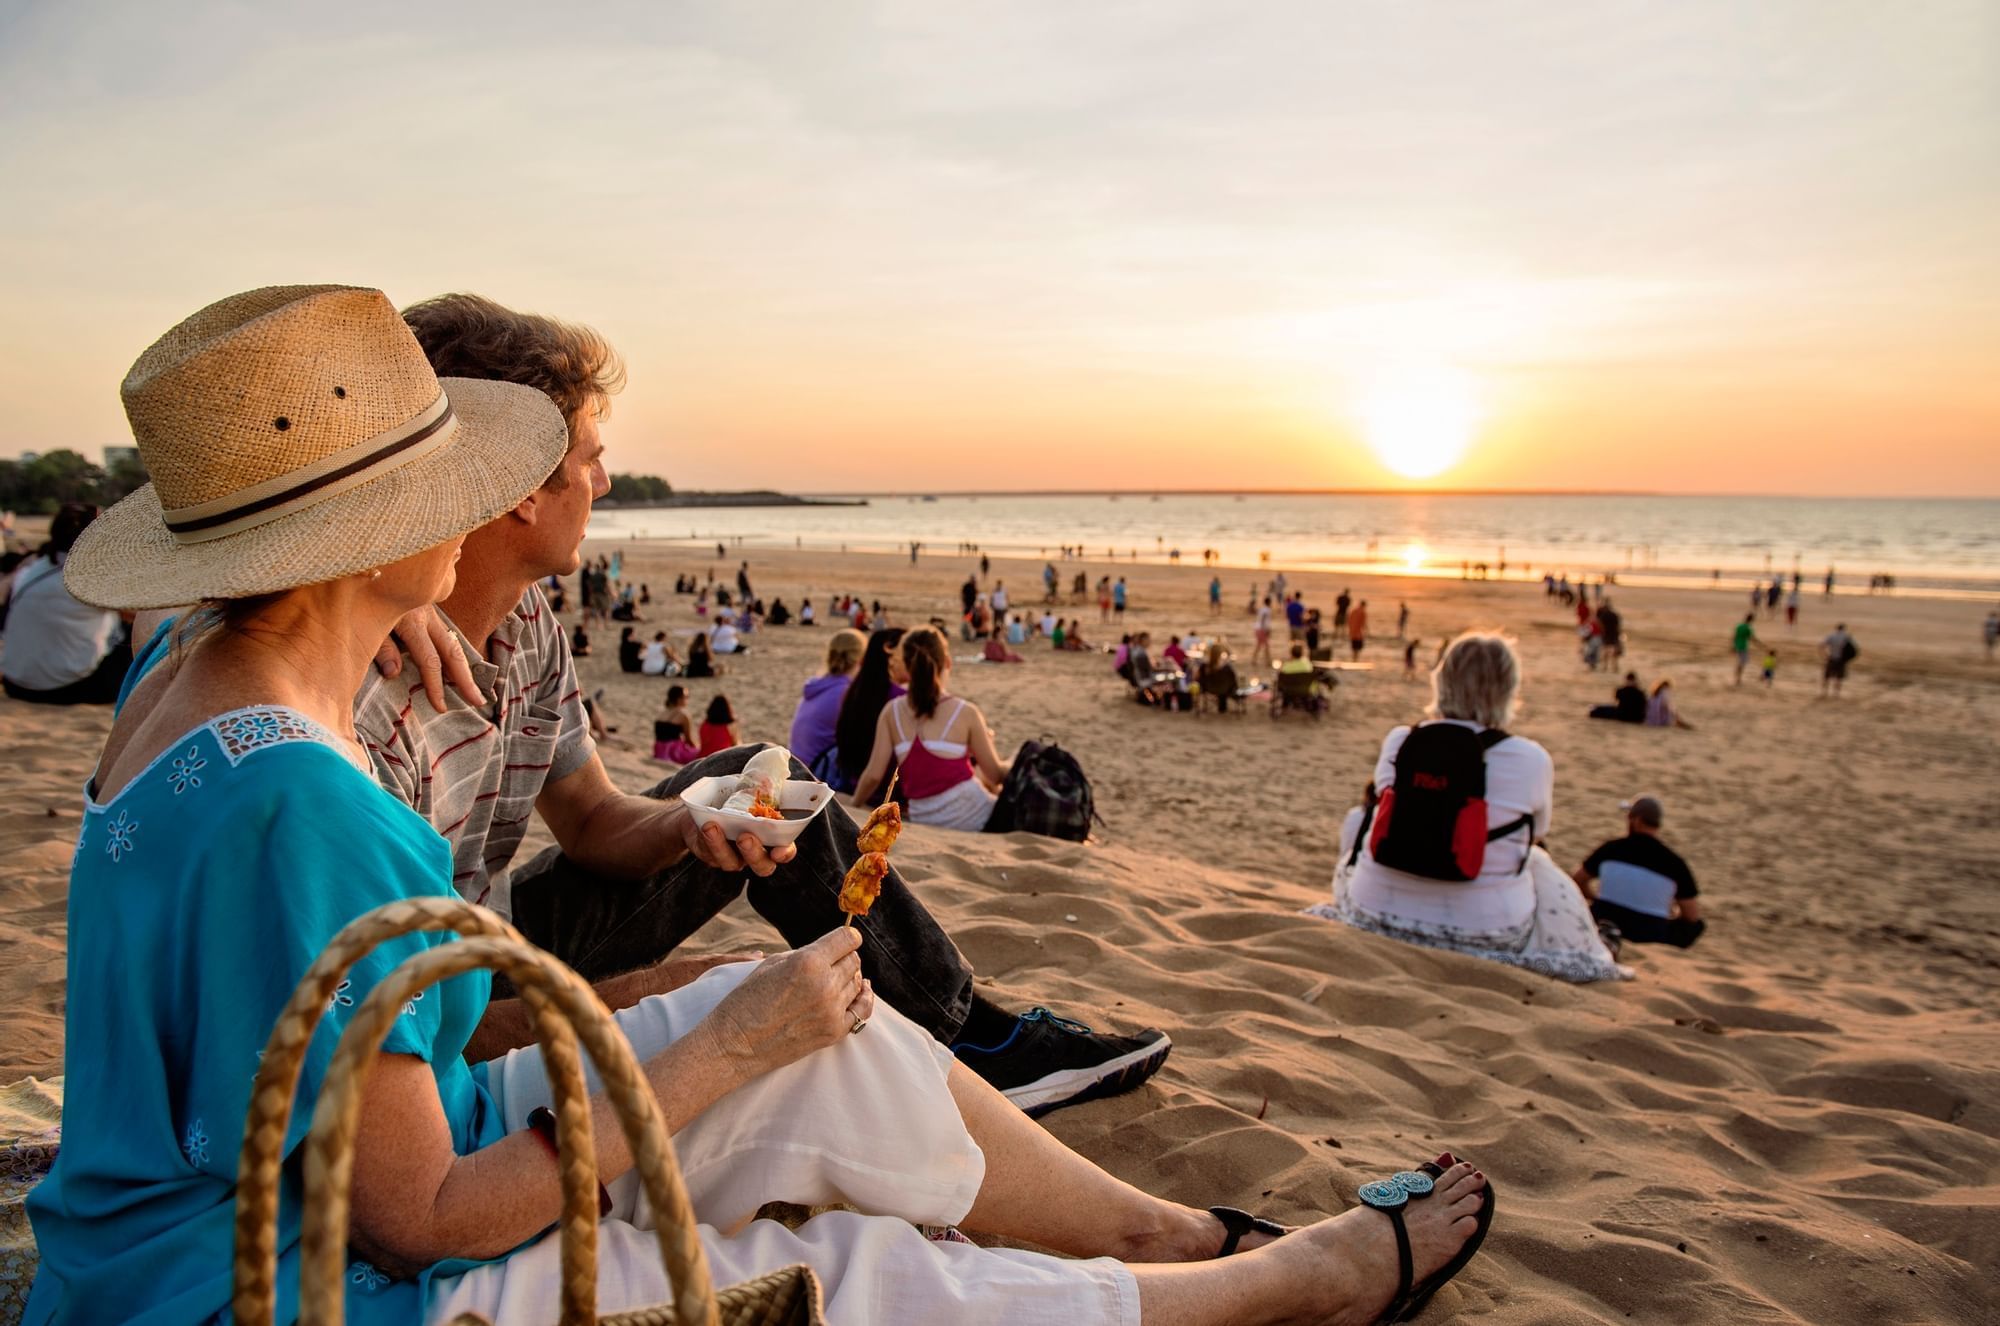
1387 492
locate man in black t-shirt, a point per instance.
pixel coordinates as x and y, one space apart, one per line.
1640 884
1628 704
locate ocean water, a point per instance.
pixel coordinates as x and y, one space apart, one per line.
1943 546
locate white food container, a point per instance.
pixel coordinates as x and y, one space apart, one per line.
801 800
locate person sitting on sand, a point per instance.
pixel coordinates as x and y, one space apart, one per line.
579 642
723 638
1058 635
1073 640
1640 885
1218 676
58 650
1510 903
779 615
1298 662
1628 704
813 722
453 1197
658 658
880 679
996 651
631 877
674 731
631 653
1661 710
719 731
806 616
700 662
940 742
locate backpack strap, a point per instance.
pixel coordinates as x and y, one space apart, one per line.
1527 822
1492 737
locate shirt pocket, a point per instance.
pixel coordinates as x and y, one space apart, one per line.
532 732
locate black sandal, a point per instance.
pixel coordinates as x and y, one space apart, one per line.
1390 1196
1235 1224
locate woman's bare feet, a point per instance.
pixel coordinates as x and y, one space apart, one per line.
1345 1269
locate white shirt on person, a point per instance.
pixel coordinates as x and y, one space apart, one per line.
653 659
1048 623
723 640
1520 780
1264 617
52 639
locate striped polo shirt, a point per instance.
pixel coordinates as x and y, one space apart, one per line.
474 772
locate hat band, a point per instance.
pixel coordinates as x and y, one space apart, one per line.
295 490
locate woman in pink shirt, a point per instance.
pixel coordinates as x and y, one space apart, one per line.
950 770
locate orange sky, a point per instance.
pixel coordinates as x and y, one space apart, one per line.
894 246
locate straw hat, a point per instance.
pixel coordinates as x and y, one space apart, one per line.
296 434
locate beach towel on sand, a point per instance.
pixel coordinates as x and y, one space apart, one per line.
30 1131
1559 940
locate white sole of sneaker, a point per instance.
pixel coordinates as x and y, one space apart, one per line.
1060 1088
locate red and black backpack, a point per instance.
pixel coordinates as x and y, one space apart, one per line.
1432 822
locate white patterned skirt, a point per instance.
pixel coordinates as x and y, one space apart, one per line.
966 806
1560 939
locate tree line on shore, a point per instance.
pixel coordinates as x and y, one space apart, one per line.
37 487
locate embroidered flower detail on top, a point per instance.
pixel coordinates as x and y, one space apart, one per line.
341 997
254 729
410 1009
118 838
187 771
195 1144
363 1276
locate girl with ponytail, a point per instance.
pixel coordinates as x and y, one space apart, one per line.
950 769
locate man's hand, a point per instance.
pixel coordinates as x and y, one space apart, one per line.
434 648
712 848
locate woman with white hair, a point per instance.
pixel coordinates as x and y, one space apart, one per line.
1445 853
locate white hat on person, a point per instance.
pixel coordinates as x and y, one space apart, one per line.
296 434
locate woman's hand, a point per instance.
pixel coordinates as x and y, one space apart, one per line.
793 1004
433 647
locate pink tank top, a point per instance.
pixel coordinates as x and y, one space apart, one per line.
925 773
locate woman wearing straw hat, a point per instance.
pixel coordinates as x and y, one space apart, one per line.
312 483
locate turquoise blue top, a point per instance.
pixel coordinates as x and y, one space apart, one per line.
198 896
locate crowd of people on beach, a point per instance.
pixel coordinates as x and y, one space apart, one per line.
862 1067
263 694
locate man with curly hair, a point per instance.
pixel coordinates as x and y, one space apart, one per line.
631 876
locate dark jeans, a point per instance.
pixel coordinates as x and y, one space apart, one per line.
100 687
603 926
1639 928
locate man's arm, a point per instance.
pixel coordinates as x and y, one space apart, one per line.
631 837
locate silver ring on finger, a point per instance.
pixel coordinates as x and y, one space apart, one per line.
859 1023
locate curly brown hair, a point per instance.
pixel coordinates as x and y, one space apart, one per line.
471 336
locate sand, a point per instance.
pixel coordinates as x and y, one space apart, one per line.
1798 1121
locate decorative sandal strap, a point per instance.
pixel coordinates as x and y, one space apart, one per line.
1390 1196
1236 1223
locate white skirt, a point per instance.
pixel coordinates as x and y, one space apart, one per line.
967 806
867 1123
1560 939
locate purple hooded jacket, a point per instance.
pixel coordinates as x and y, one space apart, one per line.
819 711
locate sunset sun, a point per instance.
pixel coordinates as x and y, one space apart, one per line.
1419 423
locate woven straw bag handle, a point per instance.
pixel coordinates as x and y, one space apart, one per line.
564 1008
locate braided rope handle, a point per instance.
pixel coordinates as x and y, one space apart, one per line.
329 1150
261 1160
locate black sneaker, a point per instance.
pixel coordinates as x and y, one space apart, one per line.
1046 1062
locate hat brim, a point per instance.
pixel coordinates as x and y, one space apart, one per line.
509 440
